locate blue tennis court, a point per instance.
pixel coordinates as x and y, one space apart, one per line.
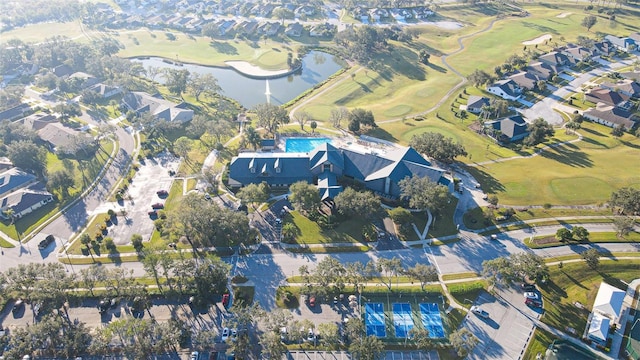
402 320
431 320
374 319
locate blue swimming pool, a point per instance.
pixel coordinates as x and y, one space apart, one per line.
303 144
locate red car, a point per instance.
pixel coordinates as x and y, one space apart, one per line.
157 206
533 302
225 300
312 301
152 213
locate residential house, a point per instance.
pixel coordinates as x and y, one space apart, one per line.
322 30
506 89
37 121
626 87
556 59
141 102
15 112
23 202
625 44
62 139
605 96
607 310
247 27
294 29
62 71
269 28
525 80
577 54
422 12
603 48
106 91
476 103
635 37
377 172
542 70
5 164
14 179
85 80
509 129
611 116
307 10
377 14
633 75
401 15
225 26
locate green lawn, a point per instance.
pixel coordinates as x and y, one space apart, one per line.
309 232
474 219
539 343
575 282
585 172
599 237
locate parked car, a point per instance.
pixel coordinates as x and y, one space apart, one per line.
234 334
528 287
162 193
46 242
531 295
494 237
225 300
153 213
311 335
225 334
19 304
533 302
195 355
478 311
157 206
312 301
103 306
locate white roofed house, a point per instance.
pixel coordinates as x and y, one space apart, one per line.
506 89
607 311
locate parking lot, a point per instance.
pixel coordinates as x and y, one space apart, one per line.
152 176
504 334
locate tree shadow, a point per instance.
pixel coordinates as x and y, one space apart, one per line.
563 154
489 183
437 68
381 134
224 47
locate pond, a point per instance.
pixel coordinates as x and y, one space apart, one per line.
317 66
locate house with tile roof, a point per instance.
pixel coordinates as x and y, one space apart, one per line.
626 87
611 116
507 130
542 70
605 96
555 58
141 102
326 164
506 89
476 103
525 80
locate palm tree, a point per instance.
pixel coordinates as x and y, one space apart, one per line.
9 213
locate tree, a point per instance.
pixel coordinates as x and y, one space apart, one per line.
358 203
182 147
573 126
424 56
329 272
515 267
176 80
211 278
272 346
362 117
271 116
304 196
592 258
627 200
62 181
423 193
423 273
301 117
463 341
27 156
623 225
436 146
314 126
329 335
91 276
493 199
136 241
254 194
366 348
589 21
203 84
252 137
563 234
580 233
337 115
539 130
618 130
479 78
354 126
420 337
389 267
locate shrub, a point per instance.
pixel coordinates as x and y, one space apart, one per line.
109 244
111 213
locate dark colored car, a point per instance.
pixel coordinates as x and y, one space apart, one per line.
162 193
225 300
152 213
103 305
157 206
533 302
19 304
46 242
528 287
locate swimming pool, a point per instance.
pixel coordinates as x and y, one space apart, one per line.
303 144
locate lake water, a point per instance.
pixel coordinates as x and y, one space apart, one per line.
317 66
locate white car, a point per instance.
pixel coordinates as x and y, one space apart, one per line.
195 355
531 295
225 334
478 311
311 336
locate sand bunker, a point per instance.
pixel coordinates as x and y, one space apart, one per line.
449 25
539 40
564 15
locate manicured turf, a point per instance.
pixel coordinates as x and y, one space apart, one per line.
539 343
577 282
580 173
474 219
309 232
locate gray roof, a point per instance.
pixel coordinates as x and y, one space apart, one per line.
511 127
156 105
542 69
13 179
14 112
525 80
508 86
626 85
293 167
554 58
612 114
59 135
24 199
477 102
607 96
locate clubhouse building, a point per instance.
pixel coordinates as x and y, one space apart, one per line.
326 164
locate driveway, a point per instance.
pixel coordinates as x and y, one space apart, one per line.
505 334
